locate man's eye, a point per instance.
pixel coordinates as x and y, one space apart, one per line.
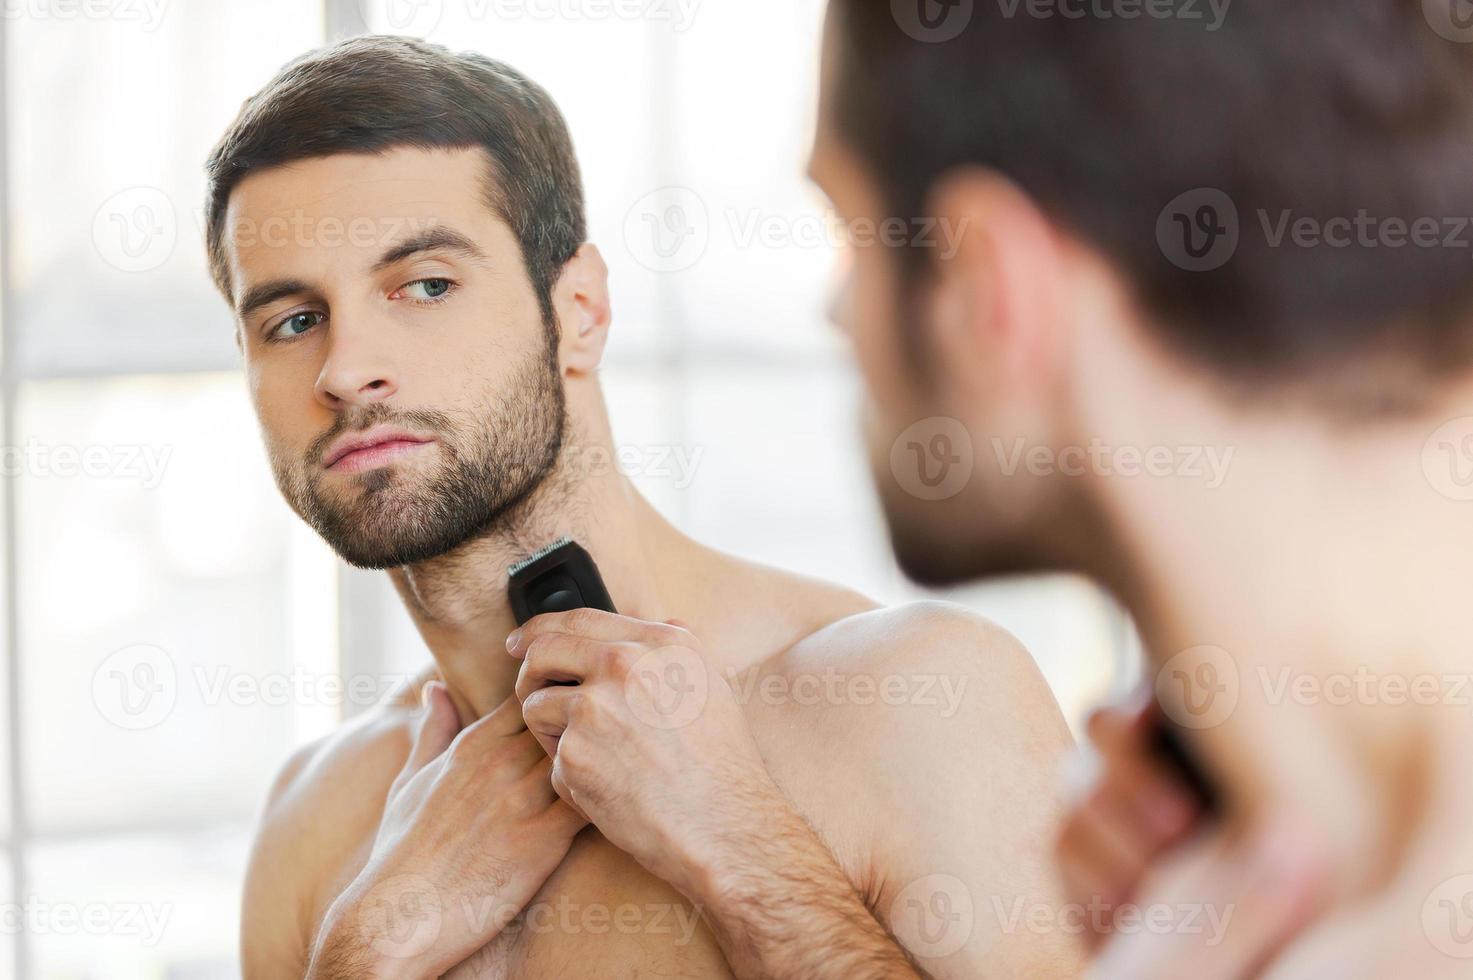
427 290
296 325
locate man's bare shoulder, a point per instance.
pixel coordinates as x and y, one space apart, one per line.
899 694
334 767
939 645
922 742
764 608
321 812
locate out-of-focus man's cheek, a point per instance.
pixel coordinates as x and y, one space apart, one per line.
841 294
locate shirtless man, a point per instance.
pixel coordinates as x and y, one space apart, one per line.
1244 241
400 233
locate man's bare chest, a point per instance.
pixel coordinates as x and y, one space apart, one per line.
600 915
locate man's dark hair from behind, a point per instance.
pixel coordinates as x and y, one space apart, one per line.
1321 109
378 93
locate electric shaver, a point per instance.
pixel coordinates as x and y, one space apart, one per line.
560 577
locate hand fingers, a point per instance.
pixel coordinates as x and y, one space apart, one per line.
1132 780
1101 860
495 728
594 624
546 713
438 726
501 723
565 793
1112 725
1261 893
504 721
1126 813
558 658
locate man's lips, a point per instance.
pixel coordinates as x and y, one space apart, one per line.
366 450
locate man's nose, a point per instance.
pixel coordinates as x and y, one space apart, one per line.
359 369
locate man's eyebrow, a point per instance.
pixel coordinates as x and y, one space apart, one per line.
267 293
446 239
441 239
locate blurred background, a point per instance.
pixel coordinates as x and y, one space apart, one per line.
171 632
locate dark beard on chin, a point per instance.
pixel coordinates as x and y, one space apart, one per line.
491 462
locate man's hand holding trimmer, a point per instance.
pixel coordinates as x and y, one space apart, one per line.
646 737
650 743
1131 812
1138 837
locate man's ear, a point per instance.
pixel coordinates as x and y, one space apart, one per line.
581 299
992 307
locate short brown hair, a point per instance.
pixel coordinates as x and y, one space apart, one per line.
1320 108
376 93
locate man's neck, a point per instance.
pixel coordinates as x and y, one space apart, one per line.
459 601
1330 570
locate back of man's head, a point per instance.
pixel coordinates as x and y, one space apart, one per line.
1337 134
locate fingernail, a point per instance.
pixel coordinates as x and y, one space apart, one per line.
513 640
